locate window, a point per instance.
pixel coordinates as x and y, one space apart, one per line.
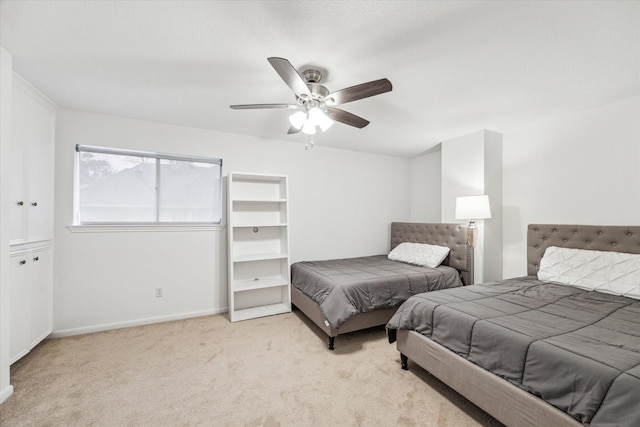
133 187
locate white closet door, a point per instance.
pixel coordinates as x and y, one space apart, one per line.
19 305
40 321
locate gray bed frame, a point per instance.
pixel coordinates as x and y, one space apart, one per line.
460 257
501 399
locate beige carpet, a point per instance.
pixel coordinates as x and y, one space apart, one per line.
273 371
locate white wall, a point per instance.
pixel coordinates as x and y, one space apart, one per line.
425 186
462 171
493 228
472 166
576 168
341 204
579 168
6 79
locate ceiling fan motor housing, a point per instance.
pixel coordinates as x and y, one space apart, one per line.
318 91
312 76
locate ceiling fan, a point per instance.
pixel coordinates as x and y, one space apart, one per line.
315 105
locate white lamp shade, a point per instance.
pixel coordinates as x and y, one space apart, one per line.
309 128
314 115
324 122
318 118
297 119
473 207
307 122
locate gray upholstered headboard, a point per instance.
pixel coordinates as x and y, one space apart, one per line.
454 236
615 238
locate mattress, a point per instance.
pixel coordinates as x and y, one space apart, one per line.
345 287
578 350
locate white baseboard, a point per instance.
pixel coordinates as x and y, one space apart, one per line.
130 323
4 394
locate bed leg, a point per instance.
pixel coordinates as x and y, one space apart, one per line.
404 362
331 342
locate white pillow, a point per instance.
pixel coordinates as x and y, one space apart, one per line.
610 272
420 254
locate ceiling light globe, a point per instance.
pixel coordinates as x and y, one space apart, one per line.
314 115
297 119
309 128
325 122
319 118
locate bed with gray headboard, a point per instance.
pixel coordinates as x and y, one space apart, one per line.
346 295
541 349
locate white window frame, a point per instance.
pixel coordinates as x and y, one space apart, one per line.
79 226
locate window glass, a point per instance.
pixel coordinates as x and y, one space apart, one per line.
119 186
184 194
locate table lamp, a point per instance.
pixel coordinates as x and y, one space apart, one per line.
472 208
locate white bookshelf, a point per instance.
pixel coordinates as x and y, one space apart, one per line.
259 277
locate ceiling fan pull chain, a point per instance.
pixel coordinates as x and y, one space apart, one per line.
308 143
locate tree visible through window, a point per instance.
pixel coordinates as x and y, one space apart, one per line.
132 187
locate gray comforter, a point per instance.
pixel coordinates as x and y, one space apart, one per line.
577 350
344 287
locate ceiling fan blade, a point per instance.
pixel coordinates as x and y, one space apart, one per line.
353 93
262 106
293 130
290 76
346 118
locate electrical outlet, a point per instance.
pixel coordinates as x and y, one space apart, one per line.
158 292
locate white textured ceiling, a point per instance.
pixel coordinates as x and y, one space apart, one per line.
456 67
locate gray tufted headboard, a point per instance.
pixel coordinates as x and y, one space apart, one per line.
454 236
615 238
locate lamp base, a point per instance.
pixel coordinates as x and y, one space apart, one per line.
472 234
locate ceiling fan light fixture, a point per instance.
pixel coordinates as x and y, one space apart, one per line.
319 118
309 128
298 119
325 122
314 115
